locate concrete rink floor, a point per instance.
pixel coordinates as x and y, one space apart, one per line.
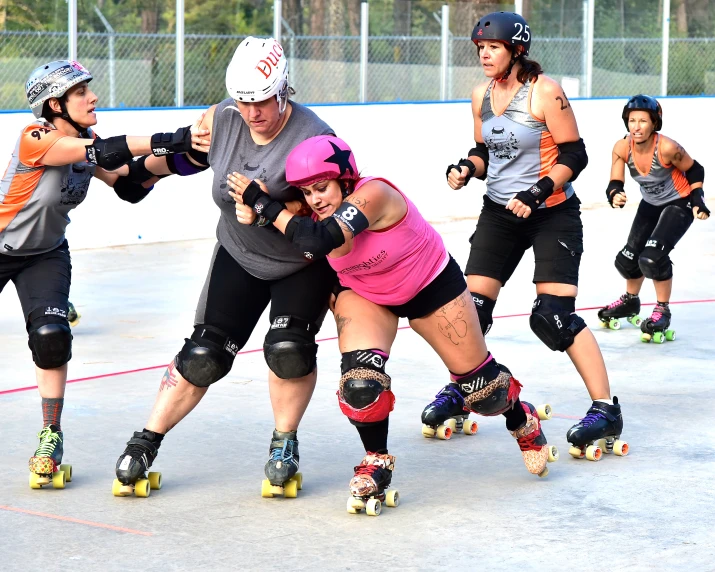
468 503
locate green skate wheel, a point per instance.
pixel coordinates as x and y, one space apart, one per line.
614 324
290 489
68 472
392 498
373 507
659 338
635 320
154 480
645 337
58 480
670 335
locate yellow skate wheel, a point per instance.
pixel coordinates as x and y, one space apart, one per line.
117 488
553 454
58 479
621 448
469 428
544 411
35 481
576 452
373 507
601 443
645 337
290 489
603 324
614 324
543 473
266 489
299 479
352 506
142 488
444 432
670 335
68 472
593 453
428 431
357 503
452 424
154 480
392 498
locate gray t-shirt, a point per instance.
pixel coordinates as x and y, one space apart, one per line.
264 252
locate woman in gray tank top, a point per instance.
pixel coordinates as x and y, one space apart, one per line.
671 185
253 264
529 150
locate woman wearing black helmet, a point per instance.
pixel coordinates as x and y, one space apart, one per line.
528 146
49 173
671 184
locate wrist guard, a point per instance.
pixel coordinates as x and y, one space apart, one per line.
168 143
536 195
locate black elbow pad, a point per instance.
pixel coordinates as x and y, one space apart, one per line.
481 151
573 155
129 191
315 239
696 173
110 154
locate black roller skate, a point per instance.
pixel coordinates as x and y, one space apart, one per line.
603 426
73 315
535 451
627 306
133 464
656 327
447 414
282 467
367 488
45 467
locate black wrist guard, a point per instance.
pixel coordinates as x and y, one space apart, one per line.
261 203
168 143
536 195
697 199
463 163
614 187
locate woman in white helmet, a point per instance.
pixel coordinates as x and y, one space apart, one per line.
49 173
251 132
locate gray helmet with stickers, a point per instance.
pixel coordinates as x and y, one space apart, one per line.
53 80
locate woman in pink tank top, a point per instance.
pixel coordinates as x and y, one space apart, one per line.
391 263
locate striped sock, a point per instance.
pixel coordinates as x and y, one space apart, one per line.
52 411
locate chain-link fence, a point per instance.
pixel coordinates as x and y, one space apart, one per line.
138 70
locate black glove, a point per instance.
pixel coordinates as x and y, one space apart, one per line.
463 163
614 187
261 203
536 194
168 143
697 199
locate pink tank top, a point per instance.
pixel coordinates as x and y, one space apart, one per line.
390 267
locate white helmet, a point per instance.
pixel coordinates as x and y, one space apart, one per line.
258 71
53 80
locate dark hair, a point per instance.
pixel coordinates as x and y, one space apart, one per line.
47 111
530 69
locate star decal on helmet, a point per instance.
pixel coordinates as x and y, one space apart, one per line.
341 159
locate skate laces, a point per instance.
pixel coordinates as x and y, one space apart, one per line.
279 453
622 300
658 312
528 442
591 418
48 442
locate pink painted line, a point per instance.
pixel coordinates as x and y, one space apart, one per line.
112 374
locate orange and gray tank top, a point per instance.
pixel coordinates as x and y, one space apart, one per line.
661 184
521 148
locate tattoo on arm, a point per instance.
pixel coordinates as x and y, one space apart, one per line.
679 153
563 101
452 324
169 380
345 227
341 322
358 202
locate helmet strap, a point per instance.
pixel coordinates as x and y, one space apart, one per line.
512 61
66 116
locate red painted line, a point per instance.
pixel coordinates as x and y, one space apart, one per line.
103 375
75 520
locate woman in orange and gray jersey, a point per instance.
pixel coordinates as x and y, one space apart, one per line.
529 149
671 185
49 173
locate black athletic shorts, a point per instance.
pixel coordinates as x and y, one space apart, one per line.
666 223
501 238
233 300
42 282
446 286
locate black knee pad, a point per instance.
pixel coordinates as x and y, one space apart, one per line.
490 390
365 395
553 321
627 263
485 308
206 357
654 261
50 340
289 348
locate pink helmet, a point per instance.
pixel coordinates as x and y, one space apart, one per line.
319 159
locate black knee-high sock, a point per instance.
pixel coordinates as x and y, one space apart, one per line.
374 435
515 417
52 411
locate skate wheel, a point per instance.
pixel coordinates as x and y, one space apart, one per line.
601 444
452 424
373 507
35 481
553 454
659 338
469 428
392 498
299 479
58 480
428 431
645 337
266 489
444 432
543 473
593 453
117 487
614 324
290 489
576 452
67 469
142 488
544 411
670 335
154 480
354 505
603 324
620 448
635 320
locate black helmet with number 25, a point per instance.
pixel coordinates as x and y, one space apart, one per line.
507 27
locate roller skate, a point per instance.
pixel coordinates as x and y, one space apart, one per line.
73 315
133 464
602 425
45 467
447 414
627 306
282 467
532 441
656 327
372 476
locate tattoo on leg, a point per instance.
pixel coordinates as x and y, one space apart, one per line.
341 322
169 380
454 328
